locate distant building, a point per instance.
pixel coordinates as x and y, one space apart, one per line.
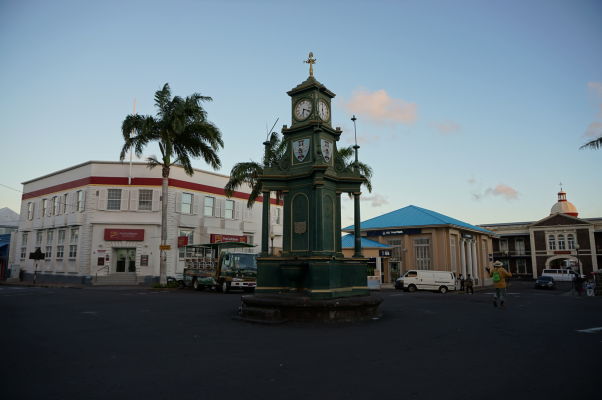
425 239
9 223
560 240
378 256
95 219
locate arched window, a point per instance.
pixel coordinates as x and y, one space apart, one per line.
570 239
551 242
561 242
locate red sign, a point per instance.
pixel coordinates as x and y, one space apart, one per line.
562 252
182 241
217 238
124 234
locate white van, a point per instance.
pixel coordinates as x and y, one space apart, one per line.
566 275
427 280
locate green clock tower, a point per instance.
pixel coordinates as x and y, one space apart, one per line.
311 275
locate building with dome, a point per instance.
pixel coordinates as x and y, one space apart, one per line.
560 240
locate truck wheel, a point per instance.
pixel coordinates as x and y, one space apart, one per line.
443 289
225 287
411 288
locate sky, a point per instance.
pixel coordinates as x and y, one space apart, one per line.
473 109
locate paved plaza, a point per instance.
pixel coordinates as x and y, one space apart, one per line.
139 343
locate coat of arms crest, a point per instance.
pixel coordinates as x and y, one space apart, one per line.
326 149
300 149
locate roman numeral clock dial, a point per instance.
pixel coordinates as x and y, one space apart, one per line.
302 109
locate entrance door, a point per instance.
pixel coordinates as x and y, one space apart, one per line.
126 260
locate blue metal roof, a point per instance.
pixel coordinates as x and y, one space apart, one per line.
348 242
412 216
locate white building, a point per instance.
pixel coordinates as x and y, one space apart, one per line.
97 219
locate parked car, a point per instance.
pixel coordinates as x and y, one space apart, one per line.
545 282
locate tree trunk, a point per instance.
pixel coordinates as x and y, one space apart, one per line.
163 258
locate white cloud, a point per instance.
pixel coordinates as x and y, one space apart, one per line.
446 127
594 130
379 107
376 200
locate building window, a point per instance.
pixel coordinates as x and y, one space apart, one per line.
422 251
50 237
561 242
72 251
521 266
519 244
145 199
229 209
48 252
44 207
551 242
209 206
65 199
59 252
395 249
278 215
24 236
80 200
452 248
113 199
56 205
30 208
570 240
189 233
39 237
61 237
74 236
503 245
186 203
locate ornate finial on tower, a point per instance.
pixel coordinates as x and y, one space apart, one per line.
311 61
561 186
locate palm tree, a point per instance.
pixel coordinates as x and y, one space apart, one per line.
182 132
594 144
250 172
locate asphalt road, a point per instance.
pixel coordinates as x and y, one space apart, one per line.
113 343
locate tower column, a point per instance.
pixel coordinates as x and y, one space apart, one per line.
356 225
265 224
475 266
468 258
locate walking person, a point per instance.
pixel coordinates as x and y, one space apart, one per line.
461 282
468 285
498 275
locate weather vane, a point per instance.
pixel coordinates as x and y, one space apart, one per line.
311 61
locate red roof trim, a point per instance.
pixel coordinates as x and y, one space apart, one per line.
123 181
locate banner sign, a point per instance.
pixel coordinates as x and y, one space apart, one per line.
384 253
124 234
182 241
391 232
218 238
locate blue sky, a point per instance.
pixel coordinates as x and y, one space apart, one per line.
474 109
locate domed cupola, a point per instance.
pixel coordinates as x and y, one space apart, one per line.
563 206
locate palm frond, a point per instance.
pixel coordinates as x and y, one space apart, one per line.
593 144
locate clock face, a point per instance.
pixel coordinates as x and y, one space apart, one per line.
302 109
323 110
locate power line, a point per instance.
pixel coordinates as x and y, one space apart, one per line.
8 187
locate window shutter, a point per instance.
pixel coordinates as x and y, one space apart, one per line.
124 199
134 193
178 202
196 204
83 200
156 200
102 199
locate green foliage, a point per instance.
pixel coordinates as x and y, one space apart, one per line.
594 144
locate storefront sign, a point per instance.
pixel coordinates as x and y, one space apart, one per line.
144 260
391 232
124 234
164 247
562 252
384 253
218 238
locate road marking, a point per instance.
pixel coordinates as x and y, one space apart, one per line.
590 330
